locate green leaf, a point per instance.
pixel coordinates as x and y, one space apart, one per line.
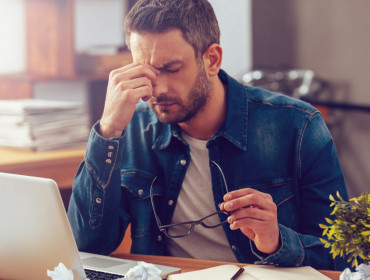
338 195
361 255
324 241
323 226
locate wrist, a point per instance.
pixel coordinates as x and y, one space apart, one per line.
272 249
263 255
106 132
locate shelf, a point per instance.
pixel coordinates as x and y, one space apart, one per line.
30 78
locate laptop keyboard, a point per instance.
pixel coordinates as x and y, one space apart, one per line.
93 274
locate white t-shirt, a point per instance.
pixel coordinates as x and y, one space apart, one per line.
194 202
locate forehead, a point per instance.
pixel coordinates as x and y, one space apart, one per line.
160 48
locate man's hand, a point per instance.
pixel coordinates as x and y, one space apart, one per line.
255 214
125 88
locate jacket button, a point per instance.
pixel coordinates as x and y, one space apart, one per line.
108 161
183 162
110 147
159 238
98 200
140 192
170 202
233 248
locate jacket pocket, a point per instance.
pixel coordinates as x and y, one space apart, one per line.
282 193
137 186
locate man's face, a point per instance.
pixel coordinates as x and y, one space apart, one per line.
182 88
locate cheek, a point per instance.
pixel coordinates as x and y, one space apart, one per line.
182 83
179 86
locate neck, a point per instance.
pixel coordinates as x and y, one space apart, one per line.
207 121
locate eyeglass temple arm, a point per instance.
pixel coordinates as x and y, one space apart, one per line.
222 174
152 201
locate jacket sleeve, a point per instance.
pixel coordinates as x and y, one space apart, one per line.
97 220
318 174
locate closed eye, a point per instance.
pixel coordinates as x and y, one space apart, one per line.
171 67
172 70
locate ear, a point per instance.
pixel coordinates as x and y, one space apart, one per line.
212 59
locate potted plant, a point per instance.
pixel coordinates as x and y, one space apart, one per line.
348 234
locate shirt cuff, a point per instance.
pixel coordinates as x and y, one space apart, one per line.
290 253
101 155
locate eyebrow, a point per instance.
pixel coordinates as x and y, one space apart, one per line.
169 64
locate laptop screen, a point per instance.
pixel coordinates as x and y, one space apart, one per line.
35 234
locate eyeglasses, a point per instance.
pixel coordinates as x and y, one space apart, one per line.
183 229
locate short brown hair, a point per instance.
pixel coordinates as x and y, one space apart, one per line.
195 18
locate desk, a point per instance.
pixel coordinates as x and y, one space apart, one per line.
59 165
194 264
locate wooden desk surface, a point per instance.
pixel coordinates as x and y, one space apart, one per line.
59 165
194 264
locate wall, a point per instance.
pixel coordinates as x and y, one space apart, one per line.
99 23
235 26
12 34
331 38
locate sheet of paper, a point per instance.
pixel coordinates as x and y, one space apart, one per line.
223 272
283 273
252 272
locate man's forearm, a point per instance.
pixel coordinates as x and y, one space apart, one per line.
94 207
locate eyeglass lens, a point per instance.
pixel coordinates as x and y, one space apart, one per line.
184 229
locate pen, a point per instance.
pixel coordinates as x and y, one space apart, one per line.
237 274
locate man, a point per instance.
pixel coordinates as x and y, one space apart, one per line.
260 165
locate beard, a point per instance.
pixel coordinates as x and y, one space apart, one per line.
197 99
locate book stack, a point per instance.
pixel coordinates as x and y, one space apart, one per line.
43 124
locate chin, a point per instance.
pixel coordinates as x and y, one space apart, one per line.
167 118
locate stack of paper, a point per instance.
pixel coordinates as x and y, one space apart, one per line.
43 124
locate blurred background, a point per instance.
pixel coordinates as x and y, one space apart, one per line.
63 50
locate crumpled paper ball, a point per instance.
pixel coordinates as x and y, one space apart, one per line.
143 271
60 272
362 273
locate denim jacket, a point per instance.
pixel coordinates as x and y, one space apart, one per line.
269 142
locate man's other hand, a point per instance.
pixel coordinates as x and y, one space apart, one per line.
255 214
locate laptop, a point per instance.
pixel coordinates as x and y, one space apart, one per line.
35 235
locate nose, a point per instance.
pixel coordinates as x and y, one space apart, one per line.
161 86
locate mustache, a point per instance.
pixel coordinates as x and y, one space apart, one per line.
164 98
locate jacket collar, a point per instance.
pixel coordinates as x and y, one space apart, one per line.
234 128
